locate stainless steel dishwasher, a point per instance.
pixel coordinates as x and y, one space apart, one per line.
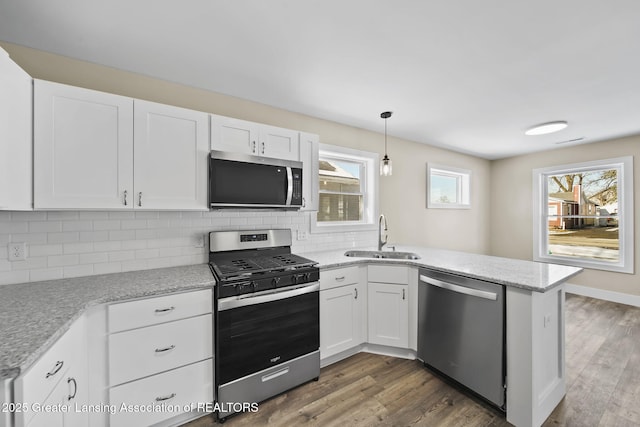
461 332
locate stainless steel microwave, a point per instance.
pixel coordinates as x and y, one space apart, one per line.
245 181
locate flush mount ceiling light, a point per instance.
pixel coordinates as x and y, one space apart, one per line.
546 128
385 164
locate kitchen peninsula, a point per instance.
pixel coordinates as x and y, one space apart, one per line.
534 316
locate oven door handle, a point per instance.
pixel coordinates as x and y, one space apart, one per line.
273 295
289 186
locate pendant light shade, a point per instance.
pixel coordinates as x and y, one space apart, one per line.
386 167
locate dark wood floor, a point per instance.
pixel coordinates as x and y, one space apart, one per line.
603 384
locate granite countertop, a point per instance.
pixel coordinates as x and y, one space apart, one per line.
34 315
533 276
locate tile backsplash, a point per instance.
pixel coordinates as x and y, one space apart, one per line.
62 244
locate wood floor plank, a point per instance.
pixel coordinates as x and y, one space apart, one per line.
603 385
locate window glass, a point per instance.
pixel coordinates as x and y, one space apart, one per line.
448 187
584 214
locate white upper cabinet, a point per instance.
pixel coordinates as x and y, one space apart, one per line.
240 136
309 149
15 136
170 157
83 148
92 152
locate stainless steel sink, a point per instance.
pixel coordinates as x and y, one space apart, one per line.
382 254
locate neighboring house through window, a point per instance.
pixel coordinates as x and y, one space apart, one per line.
347 189
583 214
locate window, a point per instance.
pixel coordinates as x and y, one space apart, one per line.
448 187
583 214
347 187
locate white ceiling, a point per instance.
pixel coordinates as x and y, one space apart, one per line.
468 75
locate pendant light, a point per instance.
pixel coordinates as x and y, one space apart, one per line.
385 164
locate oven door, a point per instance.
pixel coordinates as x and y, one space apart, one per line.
259 331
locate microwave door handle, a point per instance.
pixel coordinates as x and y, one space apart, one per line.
289 186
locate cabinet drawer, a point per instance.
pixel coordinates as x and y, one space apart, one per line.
146 351
388 274
37 383
151 311
177 388
338 277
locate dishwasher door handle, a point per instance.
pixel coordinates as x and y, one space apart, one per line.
459 289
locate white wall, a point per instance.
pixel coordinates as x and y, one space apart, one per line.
77 243
512 199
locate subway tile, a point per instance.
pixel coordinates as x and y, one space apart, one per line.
147 253
122 256
29 263
107 246
40 274
93 258
122 235
82 225
62 215
94 236
10 227
140 264
10 277
28 216
134 244
133 224
62 260
64 237
92 215
45 250
122 215
32 238
78 270
107 268
144 234
77 248
109 224
146 214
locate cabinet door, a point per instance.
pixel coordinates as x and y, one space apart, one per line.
233 135
341 319
388 314
309 146
83 148
279 143
15 136
170 150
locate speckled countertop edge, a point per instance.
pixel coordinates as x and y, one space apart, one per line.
528 275
34 315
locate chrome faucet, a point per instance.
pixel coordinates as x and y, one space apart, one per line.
382 220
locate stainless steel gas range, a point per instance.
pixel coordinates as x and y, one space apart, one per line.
267 313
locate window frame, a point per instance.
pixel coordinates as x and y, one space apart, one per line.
369 182
625 215
463 186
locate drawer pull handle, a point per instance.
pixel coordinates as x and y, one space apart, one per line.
140 198
125 197
356 289
75 388
339 279
55 369
276 374
165 310
161 399
162 350
403 294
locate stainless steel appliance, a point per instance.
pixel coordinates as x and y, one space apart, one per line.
461 332
245 181
267 315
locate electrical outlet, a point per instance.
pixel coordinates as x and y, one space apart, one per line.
17 251
547 319
303 235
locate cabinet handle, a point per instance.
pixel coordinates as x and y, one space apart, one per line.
140 198
165 310
263 147
356 289
403 294
55 369
160 399
75 388
125 197
162 350
304 203
253 150
339 279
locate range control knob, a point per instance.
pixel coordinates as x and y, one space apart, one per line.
275 281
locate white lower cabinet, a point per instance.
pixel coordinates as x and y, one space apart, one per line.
160 358
55 388
388 295
343 300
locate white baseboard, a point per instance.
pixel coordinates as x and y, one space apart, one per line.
612 296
